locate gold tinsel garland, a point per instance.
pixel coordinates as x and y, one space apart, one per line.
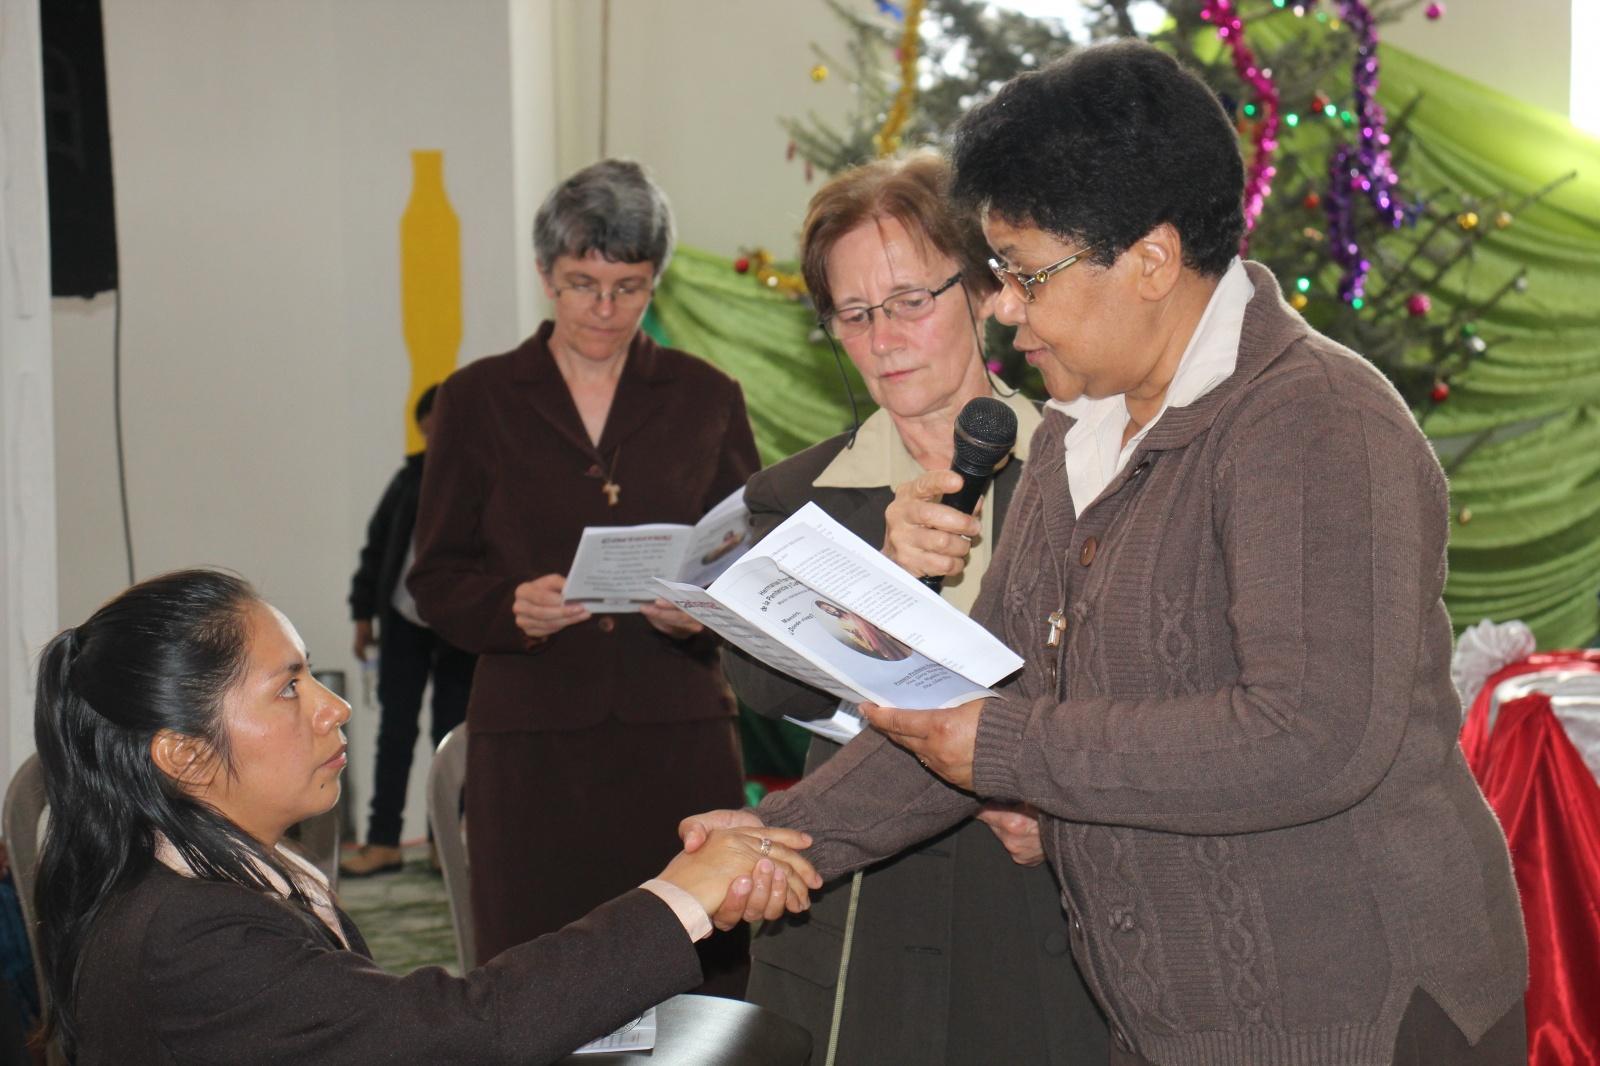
887 140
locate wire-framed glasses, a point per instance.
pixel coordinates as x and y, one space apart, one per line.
1025 283
587 293
845 323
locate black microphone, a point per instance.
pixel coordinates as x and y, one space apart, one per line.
986 431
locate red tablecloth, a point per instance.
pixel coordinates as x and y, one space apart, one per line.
1549 805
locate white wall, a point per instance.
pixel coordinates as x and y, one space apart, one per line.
27 466
261 164
261 155
695 91
1522 48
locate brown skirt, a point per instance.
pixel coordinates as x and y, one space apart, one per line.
560 822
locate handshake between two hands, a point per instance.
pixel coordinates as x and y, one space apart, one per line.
741 870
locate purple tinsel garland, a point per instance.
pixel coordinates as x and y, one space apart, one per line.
1363 168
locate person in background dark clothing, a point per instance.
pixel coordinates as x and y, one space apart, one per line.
409 652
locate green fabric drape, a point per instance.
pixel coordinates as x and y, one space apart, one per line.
1531 549
764 341
1526 539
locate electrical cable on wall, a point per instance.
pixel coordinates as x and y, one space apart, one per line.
85 254
605 71
116 408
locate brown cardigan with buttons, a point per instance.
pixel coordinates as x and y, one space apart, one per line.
1245 747
512 479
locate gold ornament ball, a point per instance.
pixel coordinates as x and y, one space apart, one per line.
1467 220
1502 220
819 73
1465 516
1298 301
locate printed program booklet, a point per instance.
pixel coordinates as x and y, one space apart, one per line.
817 602
637 1035
615 566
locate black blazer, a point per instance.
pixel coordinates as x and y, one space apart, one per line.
388 540
179 970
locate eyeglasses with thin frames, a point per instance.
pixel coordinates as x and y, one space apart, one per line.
586 293
1026 282
846 323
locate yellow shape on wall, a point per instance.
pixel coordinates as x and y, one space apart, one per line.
430 282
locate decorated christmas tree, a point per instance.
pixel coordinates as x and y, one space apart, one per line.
1361 251
1443 241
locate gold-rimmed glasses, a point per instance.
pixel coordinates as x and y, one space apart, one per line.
845 323
1026 282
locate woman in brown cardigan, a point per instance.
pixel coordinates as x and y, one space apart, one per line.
181 734
1223 569
588 737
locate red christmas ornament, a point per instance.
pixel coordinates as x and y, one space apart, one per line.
1320 101
742 264
1419 304
1312 201
1441 391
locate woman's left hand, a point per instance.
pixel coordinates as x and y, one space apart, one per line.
669 620
942 741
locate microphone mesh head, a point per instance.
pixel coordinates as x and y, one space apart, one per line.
986 431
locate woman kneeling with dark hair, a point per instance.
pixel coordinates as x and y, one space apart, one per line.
181 734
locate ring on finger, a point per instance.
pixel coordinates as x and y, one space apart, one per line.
766 846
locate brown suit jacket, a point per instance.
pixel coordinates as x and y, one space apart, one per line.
511 481
180 970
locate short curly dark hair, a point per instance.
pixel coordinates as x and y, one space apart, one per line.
1102 146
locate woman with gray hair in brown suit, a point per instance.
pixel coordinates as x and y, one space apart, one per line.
1223 570
588 734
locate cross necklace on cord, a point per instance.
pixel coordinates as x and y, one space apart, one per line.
608 472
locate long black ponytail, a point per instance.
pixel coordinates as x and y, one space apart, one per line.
160 656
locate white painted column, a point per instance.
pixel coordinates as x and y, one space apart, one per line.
27 447
534 124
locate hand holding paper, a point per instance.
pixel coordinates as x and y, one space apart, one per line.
614 568
815 601
670 621
941 740
539 609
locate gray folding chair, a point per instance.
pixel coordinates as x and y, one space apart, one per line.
22 822
446 778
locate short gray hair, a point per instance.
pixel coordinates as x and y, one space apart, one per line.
612 208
